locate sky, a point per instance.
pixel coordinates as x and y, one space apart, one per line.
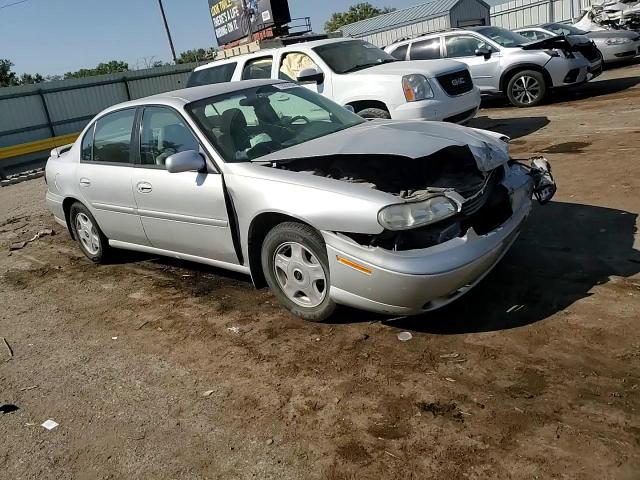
52 37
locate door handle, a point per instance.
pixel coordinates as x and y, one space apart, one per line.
85 182
144 187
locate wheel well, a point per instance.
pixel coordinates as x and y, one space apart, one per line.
66 207
506 76
258 230
362 104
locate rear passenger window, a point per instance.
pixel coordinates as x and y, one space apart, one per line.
112 138
401 52
212 75
426 49
257 68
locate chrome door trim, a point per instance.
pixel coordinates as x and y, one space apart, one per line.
114 208
183 218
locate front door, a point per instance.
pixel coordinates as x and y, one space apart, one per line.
292 63
104 176
484 71
181 212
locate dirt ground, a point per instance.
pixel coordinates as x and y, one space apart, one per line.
534 374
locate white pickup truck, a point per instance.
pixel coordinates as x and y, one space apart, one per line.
358 74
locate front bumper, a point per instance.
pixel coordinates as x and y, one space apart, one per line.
440 107
565 72
624 51
415 281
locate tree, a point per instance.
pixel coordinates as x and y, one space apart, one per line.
7 77
31 79
196 55
113 66
357 12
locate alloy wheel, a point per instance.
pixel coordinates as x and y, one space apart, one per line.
526 89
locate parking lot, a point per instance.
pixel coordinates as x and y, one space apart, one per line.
156 368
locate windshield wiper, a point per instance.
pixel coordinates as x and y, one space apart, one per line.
362 66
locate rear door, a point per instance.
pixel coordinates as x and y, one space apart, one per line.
484 71
104 176
208 76
181 212
428 49
258 68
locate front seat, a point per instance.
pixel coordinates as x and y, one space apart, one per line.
235 133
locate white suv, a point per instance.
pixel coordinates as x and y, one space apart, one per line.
358 74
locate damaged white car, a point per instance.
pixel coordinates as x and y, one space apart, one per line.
275 181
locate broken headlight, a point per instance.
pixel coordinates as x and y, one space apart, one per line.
404 216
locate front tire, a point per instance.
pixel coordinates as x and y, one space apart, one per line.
295 265
526 89
374 113
92 241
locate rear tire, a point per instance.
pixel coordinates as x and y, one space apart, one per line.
295 265
374 113
86 231
527 88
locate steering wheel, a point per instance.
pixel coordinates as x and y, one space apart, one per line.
291 120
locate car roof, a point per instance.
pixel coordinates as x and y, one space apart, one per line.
179 98
439 33
267 51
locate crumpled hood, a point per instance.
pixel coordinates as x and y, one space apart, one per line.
411 139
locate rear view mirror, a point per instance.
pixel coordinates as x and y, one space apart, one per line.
350 108
308 75
483 52
187 161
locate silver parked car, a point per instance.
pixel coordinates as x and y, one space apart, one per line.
613 45
270 179
502 61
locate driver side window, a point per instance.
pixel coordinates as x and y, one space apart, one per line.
164 133
293 63
464 46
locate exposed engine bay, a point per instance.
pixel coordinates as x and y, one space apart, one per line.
452 168
486 201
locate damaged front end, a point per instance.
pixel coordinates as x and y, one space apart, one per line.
441 196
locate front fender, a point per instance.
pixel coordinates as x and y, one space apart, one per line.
324 209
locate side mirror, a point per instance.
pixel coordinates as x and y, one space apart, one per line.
187 161
313 75
483 52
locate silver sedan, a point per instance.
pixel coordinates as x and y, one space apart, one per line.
272 180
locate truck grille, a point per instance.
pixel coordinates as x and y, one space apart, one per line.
456 83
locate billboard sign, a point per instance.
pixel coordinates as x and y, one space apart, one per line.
229 20
235 19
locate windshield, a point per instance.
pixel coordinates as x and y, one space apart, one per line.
352 55
247 124
559 29
503 37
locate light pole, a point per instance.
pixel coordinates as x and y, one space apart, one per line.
166 27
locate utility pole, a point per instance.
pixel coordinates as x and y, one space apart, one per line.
166 27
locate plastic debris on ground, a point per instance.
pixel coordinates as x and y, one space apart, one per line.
50 424
405 336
